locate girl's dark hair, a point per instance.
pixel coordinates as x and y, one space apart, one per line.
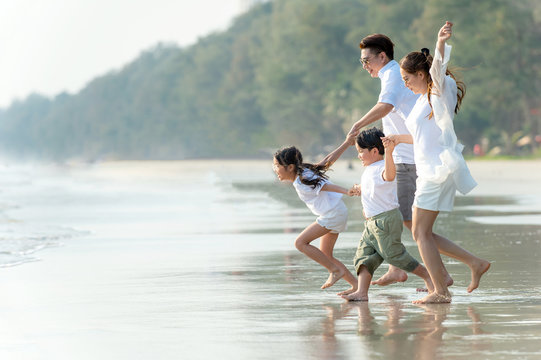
422 61
371 138
378 43
292 156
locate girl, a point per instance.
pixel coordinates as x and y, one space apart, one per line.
324 199
441 169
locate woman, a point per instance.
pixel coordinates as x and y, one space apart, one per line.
441 169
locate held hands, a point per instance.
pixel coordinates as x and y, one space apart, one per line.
350 138
445 32
355 190
389 142
353 132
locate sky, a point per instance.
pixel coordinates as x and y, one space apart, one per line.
51 46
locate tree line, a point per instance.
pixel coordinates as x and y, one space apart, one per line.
287 72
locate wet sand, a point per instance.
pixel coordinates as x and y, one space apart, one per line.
247 293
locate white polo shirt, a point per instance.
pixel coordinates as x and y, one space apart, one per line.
394 92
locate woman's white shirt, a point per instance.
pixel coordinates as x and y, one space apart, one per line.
425 133
437 151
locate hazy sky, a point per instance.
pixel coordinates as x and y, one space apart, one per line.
50 46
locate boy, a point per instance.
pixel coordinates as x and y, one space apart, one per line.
383 227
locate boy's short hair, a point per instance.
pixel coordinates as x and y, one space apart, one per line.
378 43
371 138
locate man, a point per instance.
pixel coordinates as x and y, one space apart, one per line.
393 107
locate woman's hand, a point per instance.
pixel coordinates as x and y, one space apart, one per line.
445 32
389 142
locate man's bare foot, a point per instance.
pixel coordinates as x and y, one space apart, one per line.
449 282
333 278
356 296
434 298
476 273
390 277
348 291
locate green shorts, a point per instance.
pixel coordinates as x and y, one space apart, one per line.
381 241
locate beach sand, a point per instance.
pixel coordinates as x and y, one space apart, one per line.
94 297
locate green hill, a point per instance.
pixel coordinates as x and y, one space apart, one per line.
287 72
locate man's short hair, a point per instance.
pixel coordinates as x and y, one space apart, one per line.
378 43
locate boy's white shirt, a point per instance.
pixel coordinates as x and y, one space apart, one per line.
319 202
377 195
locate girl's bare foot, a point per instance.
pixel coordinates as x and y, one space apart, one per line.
434 298
391 277
356 296
348 291
476 273
333 278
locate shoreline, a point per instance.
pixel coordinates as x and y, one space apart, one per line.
163 294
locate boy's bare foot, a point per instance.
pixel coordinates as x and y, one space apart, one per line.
392 276
356 296
449 282
348 291
476 273
333 278
434 298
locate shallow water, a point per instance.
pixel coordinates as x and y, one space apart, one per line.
195 260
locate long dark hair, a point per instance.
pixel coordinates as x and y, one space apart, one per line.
422 61
292 156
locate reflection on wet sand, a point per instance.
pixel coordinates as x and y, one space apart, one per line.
393 330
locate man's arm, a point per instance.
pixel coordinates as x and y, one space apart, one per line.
336 153
377 112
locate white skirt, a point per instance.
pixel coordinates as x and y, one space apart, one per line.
336 219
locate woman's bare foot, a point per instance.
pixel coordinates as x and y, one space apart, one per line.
392 276
476 273
434 298
333 278
449 281
429 285
356 296
348 291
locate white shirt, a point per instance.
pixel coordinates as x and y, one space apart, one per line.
426 136
438 155
394 92
319 202
377 195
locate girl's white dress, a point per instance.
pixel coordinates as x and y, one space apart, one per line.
327 205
